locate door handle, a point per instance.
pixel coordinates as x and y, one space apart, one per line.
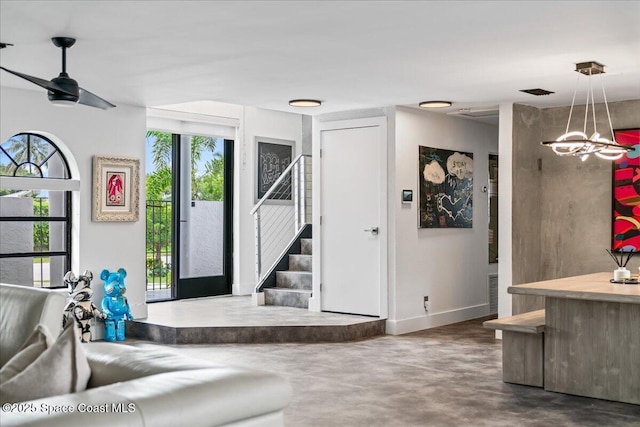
373 230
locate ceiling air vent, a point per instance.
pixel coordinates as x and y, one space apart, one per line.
468 112
485 115
537 92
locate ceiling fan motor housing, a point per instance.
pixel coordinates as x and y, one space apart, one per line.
69 85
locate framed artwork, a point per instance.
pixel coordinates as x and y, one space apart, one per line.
116 191
446 188
273 157
626 194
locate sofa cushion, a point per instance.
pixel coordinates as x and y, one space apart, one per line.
61 369
36 344
201 397
21 309
117 362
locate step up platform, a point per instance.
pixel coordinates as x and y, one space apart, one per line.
224 320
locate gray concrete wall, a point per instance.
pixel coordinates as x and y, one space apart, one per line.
562 213
527 194
307 135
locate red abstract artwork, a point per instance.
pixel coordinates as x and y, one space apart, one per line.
626 194
115 189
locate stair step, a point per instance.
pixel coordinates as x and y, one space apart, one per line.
300 262
306 246
294 279
287 297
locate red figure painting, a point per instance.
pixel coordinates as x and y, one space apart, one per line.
115 189
626 194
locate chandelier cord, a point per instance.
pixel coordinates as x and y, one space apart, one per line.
573 101
586 108
593 106
606 104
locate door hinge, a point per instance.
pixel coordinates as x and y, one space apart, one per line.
321 153
320 287
320 219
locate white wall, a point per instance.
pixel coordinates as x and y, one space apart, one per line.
254 123
449 265
505 205
87 131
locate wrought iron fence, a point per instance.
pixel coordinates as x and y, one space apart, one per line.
159 245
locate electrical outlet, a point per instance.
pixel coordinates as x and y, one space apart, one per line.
426 303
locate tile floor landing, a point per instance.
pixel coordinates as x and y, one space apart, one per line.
218 320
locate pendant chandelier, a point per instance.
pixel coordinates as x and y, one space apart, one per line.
576 143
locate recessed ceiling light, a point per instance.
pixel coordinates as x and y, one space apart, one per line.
305 103
435 104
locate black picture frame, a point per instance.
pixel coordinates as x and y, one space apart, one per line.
445 198
407 196
272 160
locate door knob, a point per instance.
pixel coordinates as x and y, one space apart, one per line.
372 230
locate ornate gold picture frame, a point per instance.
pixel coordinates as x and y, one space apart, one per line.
116 192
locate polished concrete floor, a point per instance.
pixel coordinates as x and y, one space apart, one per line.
447 376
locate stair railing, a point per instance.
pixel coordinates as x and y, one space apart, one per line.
281 214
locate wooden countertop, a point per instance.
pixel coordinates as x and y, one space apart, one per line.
596 287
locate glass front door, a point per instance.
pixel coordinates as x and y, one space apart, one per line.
203 188
189 216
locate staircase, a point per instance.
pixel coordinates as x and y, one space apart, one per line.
293 286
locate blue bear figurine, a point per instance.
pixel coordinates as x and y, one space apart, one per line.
115 304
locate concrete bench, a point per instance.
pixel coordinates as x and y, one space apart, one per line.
522 347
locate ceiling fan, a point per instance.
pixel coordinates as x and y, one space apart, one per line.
63 90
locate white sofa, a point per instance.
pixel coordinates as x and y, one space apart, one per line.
130 386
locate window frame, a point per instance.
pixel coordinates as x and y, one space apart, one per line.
63 185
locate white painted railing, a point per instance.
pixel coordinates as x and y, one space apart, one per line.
281 214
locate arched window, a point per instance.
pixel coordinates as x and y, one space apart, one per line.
35 212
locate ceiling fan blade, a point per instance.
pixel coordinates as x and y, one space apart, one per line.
46 84
88 98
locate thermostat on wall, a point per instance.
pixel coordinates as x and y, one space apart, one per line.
407 196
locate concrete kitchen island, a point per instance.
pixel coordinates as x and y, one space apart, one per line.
591 336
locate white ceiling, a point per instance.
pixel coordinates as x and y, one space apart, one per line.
349 54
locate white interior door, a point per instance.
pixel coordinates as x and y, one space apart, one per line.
352 233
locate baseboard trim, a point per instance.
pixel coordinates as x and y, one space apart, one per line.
404 326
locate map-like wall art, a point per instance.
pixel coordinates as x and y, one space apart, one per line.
626 194
273 159
446 188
